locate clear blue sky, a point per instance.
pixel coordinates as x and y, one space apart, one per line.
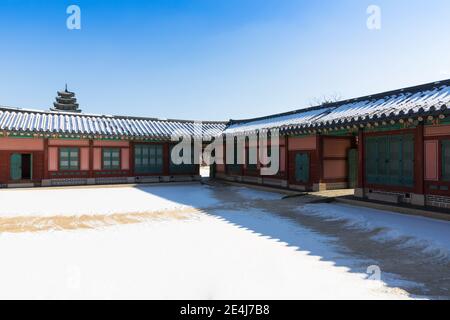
216 59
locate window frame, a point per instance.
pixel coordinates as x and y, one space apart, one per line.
110 166
69 150
445 176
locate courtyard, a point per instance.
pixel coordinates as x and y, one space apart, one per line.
212 241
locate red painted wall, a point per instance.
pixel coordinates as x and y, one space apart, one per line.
21 144
432 160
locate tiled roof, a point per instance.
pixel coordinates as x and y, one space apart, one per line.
66 123
428 99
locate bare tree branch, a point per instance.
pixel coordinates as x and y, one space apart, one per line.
325 99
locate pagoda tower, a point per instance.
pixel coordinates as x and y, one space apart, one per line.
66 101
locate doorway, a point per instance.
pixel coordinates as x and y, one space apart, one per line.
21 166
302 167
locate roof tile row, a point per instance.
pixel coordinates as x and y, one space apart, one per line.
414 101
20 120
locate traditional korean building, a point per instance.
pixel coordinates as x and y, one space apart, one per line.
392 146
66 147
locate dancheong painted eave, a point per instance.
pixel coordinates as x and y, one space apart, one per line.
27 121
432 99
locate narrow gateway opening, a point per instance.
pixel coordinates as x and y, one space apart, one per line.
21 167
26 166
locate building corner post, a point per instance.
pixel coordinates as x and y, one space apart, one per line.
418 197
359 191
46 173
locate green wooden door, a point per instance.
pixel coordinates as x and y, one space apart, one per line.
302 167
390 160
446 160
352 168
408 161
395 161
383 160
371 154
16 166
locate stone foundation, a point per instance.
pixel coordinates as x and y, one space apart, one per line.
438 201
296 187
272 182
21 185
105 180
275 182
147 179
336 185
384 197
418 199
181 178
255 180
359 192
319 187
68 182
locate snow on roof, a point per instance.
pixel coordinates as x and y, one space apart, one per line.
415 101
27 121
290 119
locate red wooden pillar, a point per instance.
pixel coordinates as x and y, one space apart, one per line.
224 144
286 157
91 158
419 162
131 158
242 166
361 159
319 156
46 174
244 169
4 167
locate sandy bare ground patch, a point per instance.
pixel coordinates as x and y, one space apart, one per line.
37 224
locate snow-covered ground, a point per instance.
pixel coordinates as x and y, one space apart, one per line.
235 243
430 235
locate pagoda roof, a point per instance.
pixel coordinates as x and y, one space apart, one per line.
66 101
66 93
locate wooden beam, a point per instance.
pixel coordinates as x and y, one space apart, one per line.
286 157
131 158
46 174
361 159
319 155
419 163
91 158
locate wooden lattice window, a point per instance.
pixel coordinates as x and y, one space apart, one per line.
69 159
446 160
111 158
